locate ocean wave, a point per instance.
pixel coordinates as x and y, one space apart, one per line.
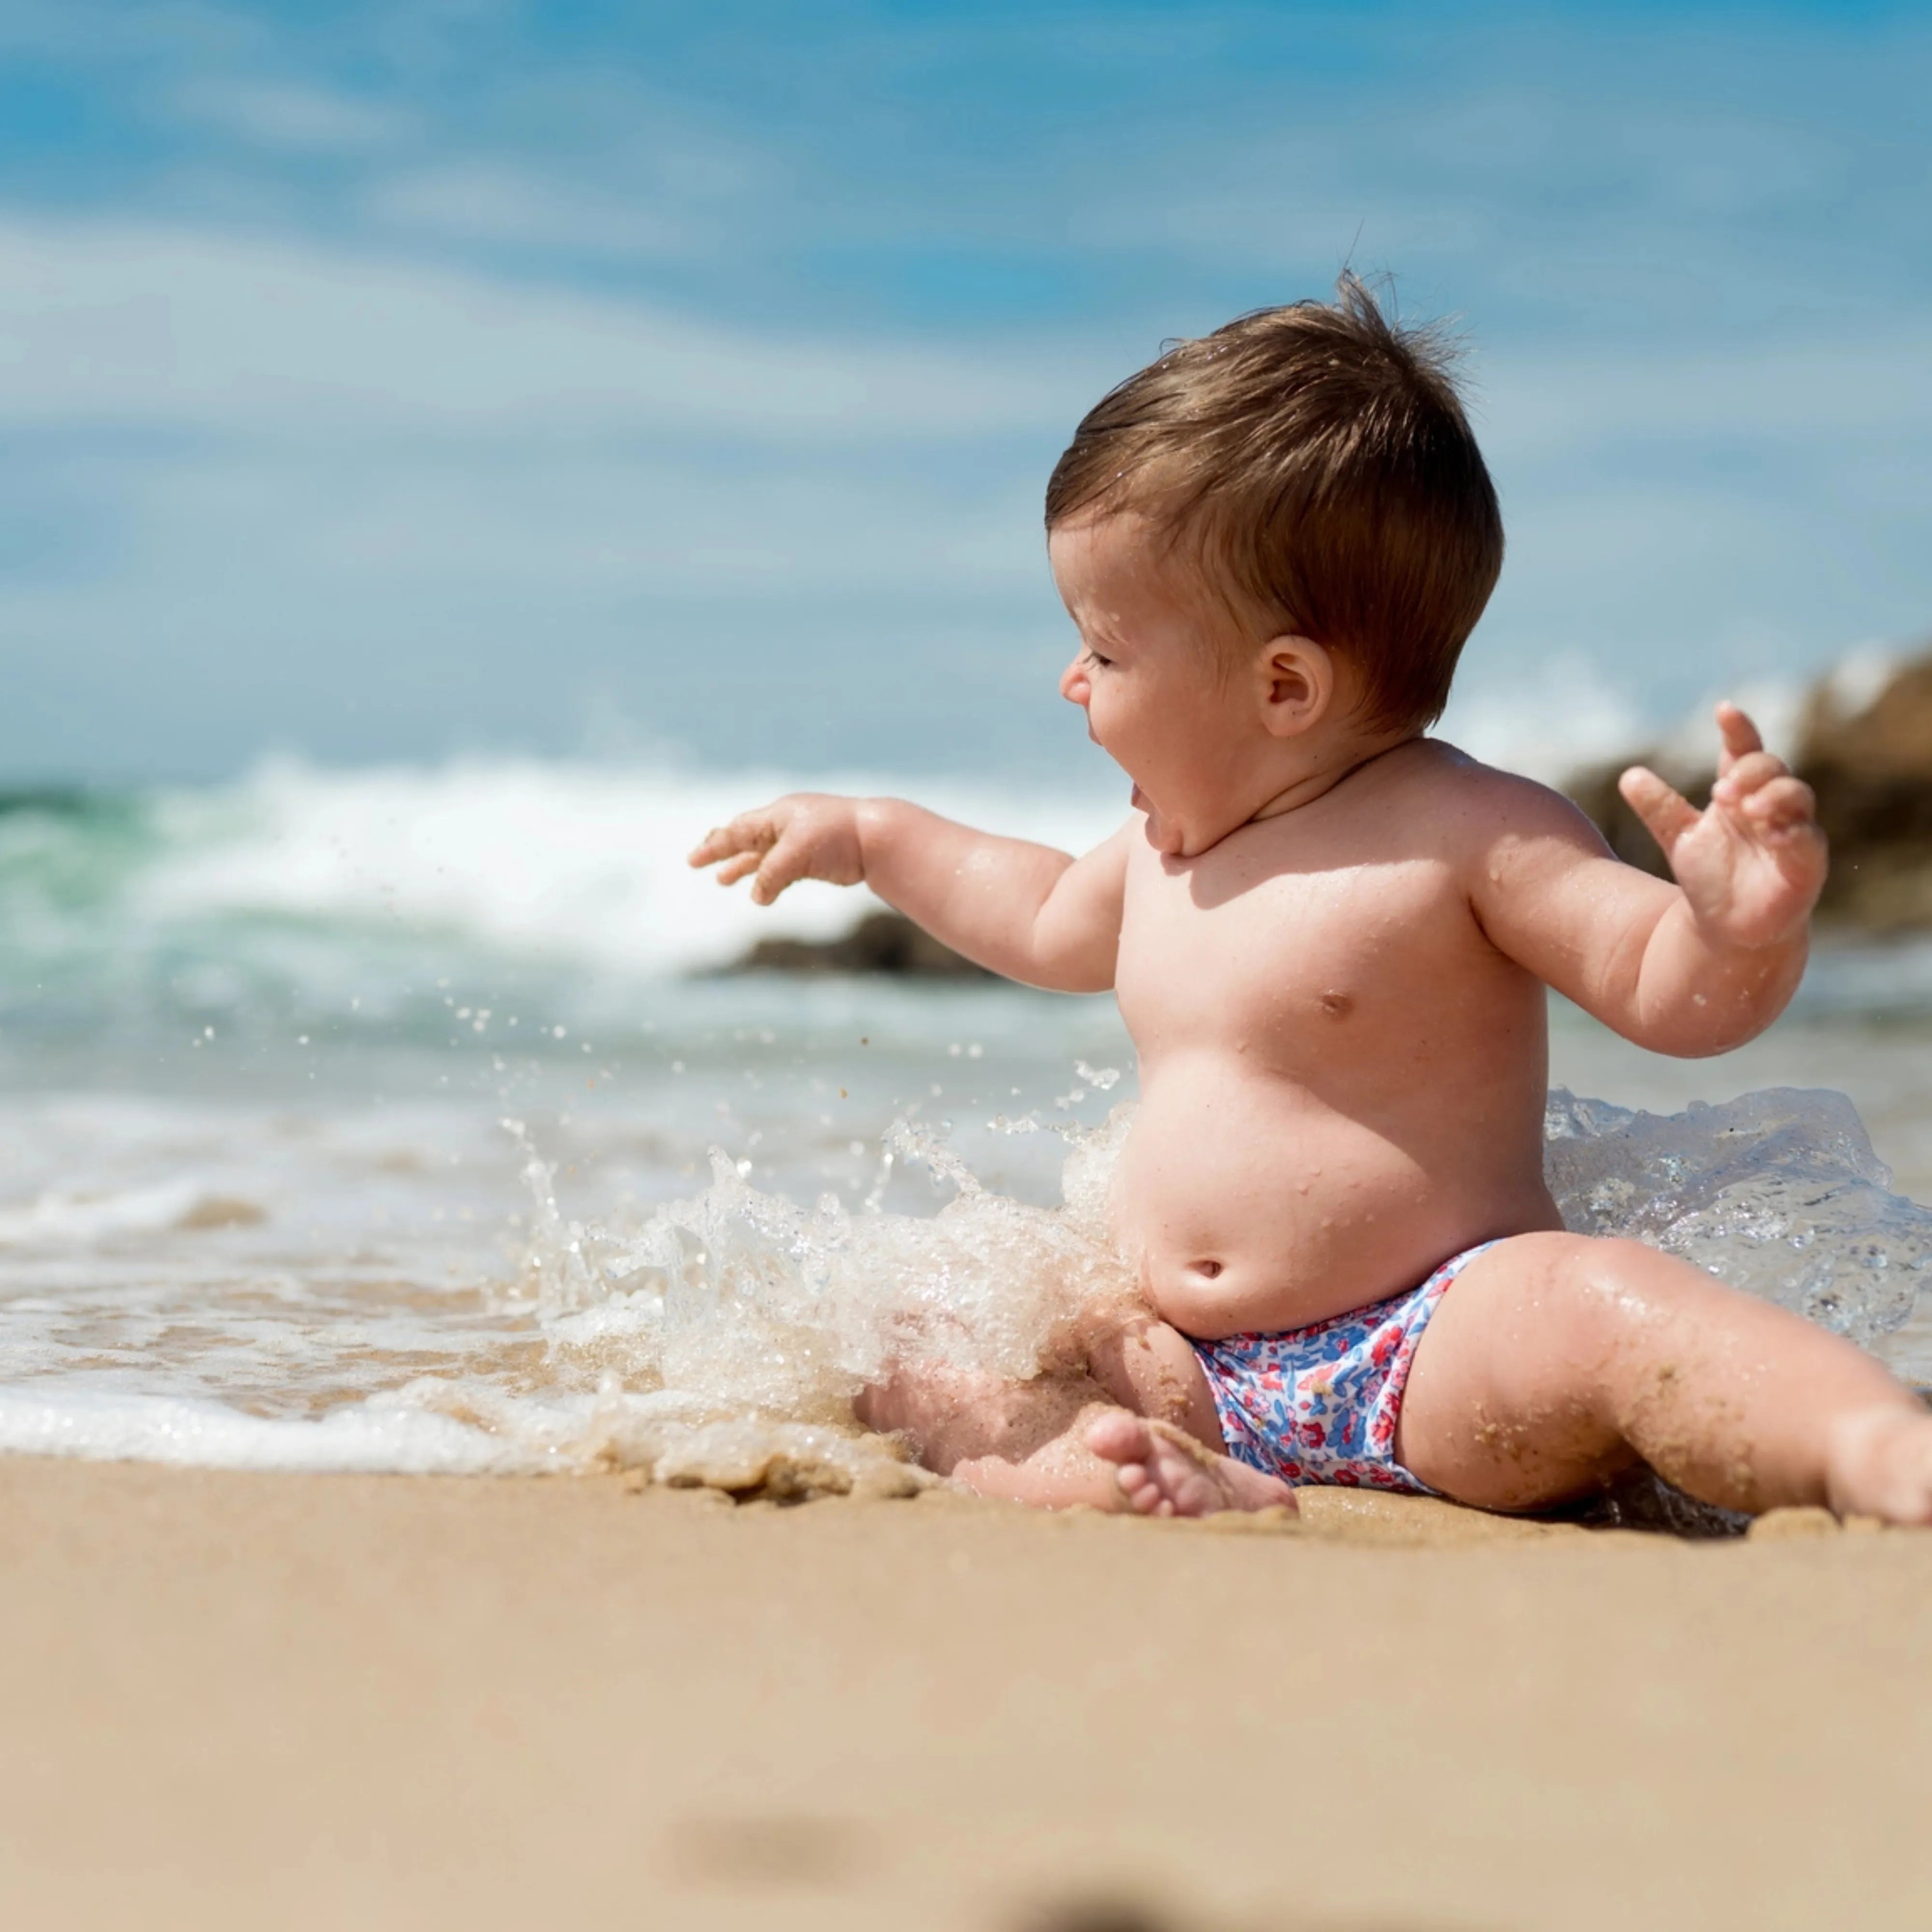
550 860
374 898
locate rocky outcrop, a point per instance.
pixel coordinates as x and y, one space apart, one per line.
881 942
1865 746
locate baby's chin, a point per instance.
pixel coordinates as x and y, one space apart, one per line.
1162 834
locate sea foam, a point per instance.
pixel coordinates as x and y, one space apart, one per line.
721 1337
749 1308
574 862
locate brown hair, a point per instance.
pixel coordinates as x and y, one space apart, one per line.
1316 458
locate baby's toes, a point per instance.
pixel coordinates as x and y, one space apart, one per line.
1881 1465
1137 1484
1123 1438
1912 1494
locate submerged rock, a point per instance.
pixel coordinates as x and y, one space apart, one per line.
881 942
1864 744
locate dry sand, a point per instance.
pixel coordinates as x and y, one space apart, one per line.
295 1701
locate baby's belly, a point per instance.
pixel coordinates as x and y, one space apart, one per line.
1251 1204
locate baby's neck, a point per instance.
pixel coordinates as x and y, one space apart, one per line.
1324 765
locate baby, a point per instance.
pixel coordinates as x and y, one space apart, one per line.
1330 936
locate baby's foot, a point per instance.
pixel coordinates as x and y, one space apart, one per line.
1162 1471
1880 1463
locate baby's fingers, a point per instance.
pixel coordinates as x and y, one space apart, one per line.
745 862
1665 811
1739 734
716 844
1746 774
752 833
1781 804
785 865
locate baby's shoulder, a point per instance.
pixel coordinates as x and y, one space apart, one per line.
1470 807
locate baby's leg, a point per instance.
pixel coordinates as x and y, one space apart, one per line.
1555 1360
956 1418
1134 1427
1152 1444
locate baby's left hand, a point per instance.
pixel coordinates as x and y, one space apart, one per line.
1752 863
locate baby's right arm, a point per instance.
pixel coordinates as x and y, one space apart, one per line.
1021 910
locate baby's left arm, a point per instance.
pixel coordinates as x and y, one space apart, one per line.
1694 968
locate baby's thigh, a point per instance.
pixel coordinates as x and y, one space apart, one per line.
1149 1366
1504 1405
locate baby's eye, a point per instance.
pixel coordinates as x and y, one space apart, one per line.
1094 657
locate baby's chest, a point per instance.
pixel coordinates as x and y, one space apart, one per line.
1200 952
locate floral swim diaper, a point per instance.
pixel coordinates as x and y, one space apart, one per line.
1319 1405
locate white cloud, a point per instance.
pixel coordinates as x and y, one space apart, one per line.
1873 383
385 463
480 201
127 324
288 117
343 529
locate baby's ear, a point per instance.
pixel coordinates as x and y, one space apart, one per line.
1297 684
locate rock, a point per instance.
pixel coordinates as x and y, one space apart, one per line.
1867 753
1782 1525
751 1458
222 1211
881 942
775 1473
1872 769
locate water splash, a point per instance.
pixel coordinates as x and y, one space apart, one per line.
720 1338
1778 1193
740 1311
737 1313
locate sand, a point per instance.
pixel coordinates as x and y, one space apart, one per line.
293 1701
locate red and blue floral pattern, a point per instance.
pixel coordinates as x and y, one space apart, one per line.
1319 1405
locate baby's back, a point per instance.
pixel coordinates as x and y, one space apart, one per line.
1341 1078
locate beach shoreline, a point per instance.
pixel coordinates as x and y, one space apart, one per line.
240 1698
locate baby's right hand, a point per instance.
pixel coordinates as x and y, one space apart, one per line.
807 835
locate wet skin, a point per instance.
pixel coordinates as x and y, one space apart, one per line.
1342 1077
1329 937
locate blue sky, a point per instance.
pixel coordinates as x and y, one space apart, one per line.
389 382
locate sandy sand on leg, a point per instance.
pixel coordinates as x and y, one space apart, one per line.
308 1702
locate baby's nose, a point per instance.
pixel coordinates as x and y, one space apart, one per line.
1074 686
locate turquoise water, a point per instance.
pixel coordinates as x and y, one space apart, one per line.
395 1120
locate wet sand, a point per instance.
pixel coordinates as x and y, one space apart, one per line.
236 1699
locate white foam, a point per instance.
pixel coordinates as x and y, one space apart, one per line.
751 1306
1565 719
47 1418
722 1337
1776 706
1859 678
1562 719
58 1218
579 861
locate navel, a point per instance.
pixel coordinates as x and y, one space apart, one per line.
1337 1006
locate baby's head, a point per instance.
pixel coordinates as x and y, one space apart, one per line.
1305 473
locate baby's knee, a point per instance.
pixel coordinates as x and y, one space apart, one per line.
1625 1300
1595 1285
1151 1368
1580 1260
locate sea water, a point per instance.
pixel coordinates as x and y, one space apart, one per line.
394 1121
